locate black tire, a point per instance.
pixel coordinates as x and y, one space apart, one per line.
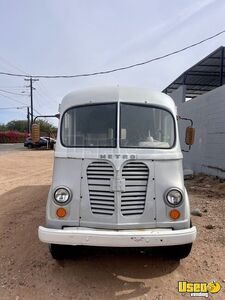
57 251
29 146
179 252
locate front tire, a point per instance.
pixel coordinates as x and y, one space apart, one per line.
179 251
57 251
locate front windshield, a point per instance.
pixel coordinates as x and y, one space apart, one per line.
90 126
145 126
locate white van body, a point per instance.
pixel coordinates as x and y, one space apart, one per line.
117 159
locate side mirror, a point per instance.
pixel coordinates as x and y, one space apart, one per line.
190 136
35 133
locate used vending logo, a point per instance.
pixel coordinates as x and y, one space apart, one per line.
199 289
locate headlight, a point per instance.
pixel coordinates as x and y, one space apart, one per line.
174 197
62 195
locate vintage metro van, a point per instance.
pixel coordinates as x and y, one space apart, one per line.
118 176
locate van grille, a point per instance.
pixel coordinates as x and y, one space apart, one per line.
101 197
136 182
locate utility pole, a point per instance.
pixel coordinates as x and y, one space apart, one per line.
31 101
28 119
31 97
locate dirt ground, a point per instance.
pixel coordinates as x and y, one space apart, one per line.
27 270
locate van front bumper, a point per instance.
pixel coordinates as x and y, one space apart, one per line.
117 238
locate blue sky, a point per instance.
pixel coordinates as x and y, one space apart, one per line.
77 36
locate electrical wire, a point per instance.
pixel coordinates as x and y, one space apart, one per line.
15 67
44 100
41 97
13 99
24 95
19 107
45 92
37 112
120 68
16 87
6 62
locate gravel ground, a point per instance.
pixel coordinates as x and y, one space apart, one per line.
8 148
27 270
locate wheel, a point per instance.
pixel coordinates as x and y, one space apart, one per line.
30 146
57 251
179 251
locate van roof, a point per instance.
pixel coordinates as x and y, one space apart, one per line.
115 94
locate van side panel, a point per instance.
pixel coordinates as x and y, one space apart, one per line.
67 173
169 174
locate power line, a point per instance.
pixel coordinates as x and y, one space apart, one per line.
18 94
37 112
44 91
17 87
5 61
41 96
13 87
13 99
21 70
46 102
120 68
18 107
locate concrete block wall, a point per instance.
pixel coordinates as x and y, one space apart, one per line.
207 111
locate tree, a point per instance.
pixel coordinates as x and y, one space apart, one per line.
21 126
2 127
17 125
46 126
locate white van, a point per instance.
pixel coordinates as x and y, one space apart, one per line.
118 176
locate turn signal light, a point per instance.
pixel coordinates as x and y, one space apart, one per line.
61 212
174 214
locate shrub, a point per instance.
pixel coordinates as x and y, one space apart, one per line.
12 137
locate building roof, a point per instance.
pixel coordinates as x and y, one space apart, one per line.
204 76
